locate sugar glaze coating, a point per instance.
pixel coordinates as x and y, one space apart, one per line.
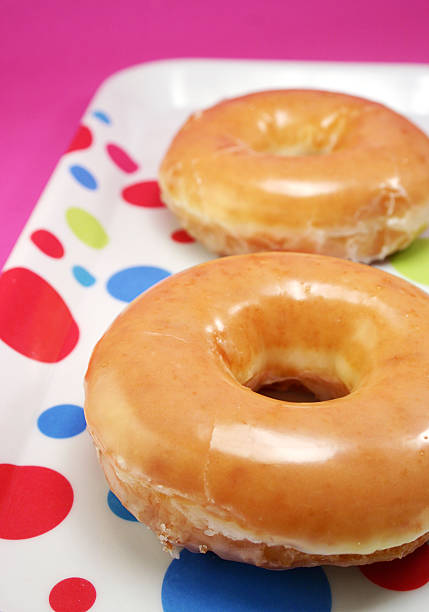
299 170
209 464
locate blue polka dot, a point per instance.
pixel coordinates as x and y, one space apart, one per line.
127 284
82 276
62 421
117 508
84 177
102 116
210 584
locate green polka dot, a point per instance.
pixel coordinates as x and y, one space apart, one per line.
413 263
86 227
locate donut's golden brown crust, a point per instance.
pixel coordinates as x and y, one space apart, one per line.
299 170
202 459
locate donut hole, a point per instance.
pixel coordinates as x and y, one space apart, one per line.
302 139
298 392
299 350
299 149
304 378
289 386
295 392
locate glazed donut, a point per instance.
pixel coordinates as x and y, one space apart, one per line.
197 455
299 170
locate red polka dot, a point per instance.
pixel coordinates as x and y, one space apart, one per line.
406 574
182 235
82 139
72 595
144 194
48 243
121 158
33 500
34 319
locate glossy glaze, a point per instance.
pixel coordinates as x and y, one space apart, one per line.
299 170
169 409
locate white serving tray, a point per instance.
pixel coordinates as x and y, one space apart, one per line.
139 110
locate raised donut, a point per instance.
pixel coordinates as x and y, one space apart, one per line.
299 170
207 463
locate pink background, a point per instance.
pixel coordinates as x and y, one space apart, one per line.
55 53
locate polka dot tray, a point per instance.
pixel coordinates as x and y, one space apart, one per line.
99 236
